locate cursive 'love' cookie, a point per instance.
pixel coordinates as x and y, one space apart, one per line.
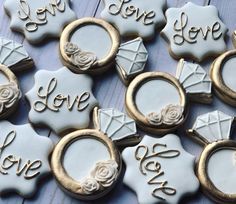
23 158
159 170
14 56
216 165
61 100
135 17
10 92
192 35
38 20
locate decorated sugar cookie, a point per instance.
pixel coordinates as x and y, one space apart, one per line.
38 20
158 102
192 35
216 166
23 158
61 100
9 92
14 56
159 170
86 163
135 17
131 59
222 74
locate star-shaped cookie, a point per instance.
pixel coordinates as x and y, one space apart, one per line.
23 158
194 31
135 17
38 20
61 100
159 170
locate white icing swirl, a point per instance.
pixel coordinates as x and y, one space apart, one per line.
89 186
154 118
105 173
71 48
9 94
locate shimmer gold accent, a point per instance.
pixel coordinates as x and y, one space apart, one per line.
65 181
141 119
100 65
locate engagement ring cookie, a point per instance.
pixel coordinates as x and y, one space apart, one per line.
194 31
38 20
135 17
222 74
158 102
23 158
14 56
216 166
86 163
9 92
61 100
160 170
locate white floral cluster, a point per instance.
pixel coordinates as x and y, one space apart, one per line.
170 115
9 93
102 176
83 60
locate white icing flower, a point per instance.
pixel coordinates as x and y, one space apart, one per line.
71 48
83 60
105 173
8 95
89 186
154 118
172 114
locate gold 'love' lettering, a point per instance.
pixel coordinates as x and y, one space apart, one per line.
147 165
29 169
189 35
131 11
40 15
58 100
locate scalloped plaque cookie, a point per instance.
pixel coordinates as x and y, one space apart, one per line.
135 17
38 20
192 35
159 170
61 100
23 158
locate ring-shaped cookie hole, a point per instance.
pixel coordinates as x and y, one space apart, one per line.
157 102
216 171
86 164
223 77
89 45
9 92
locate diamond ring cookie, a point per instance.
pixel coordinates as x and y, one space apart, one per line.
38 20
222 73
160 170
10 92
135 17
61 106
192 35
14 56
86 163
216 166
23 158
158 102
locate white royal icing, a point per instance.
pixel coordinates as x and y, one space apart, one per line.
228 73
194 35
29 152
214 126
131 57
116 124
11 52
39 19
165 165
155 95
135 16
221 170
61 100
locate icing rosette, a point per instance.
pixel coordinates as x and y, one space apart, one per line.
89 186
